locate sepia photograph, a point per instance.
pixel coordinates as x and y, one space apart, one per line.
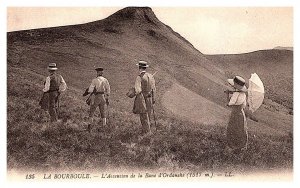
149 93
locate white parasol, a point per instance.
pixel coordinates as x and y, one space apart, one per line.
256 92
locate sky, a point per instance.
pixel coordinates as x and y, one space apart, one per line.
212 30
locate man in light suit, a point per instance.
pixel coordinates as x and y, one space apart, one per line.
100 88
54 85
145 91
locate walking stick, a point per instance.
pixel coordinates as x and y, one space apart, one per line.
58 105
154 116
107 108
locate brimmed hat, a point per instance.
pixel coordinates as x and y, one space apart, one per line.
238 83
99 69
52 66
143 64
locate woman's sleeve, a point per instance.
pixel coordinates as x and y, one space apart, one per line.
233 99
238 98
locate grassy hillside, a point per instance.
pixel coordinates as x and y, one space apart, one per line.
117 43
35 145
275 67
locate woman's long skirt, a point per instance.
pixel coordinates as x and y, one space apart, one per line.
237 135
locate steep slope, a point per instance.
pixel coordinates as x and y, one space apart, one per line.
117 43
275 67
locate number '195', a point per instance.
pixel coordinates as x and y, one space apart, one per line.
29 176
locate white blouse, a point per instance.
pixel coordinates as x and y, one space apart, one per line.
238 98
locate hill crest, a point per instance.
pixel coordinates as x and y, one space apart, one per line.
135 13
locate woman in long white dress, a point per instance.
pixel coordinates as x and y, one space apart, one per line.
237 135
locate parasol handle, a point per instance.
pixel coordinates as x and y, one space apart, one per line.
229 91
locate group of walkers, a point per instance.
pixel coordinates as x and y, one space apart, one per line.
144 92
99 92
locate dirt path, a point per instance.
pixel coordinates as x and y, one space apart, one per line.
189 105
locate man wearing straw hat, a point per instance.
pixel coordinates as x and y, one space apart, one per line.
145 90
100 88
54 84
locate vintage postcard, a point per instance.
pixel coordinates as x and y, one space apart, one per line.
149 93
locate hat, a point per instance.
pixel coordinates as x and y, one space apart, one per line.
52 66
238 83
99 69
143 64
